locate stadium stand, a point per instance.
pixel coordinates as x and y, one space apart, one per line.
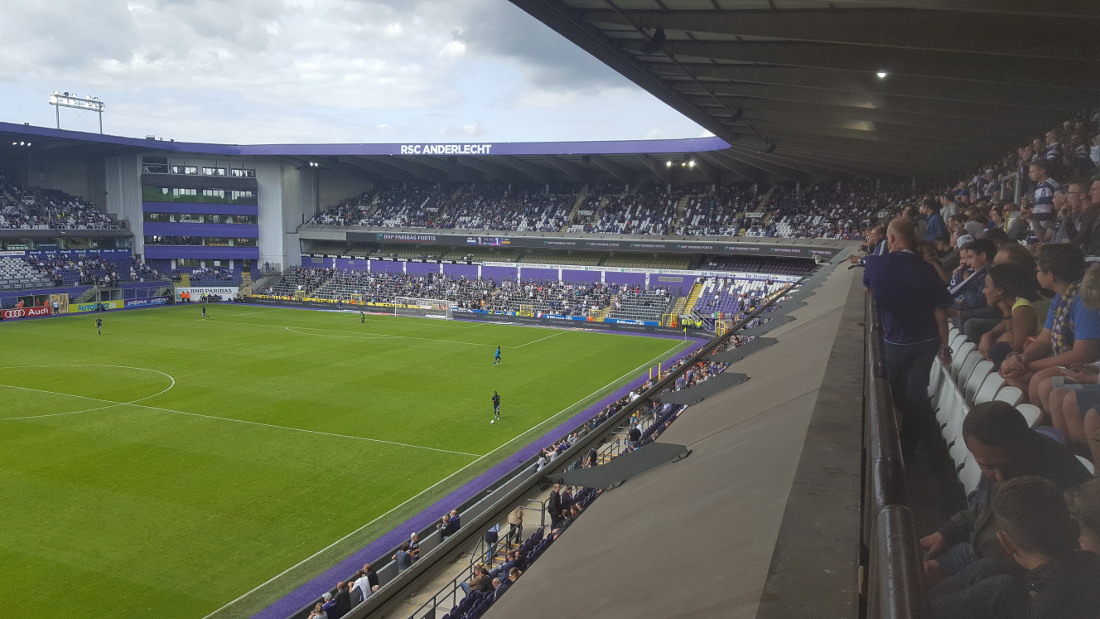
48 209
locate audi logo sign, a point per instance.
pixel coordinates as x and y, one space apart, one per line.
25 312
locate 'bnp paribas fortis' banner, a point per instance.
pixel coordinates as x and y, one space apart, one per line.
197 292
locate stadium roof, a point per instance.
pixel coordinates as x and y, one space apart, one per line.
965 80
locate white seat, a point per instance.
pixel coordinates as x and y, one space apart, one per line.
989 389
1087 464
1031 413
952 407
1010 394
981 371
935 377
956 446
959 355
958 339
966 366
970 474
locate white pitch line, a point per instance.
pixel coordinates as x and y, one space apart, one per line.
432 487
85 410
537 341
112 403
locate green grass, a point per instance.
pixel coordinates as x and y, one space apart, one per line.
172 464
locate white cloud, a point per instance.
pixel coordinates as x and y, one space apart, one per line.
250 70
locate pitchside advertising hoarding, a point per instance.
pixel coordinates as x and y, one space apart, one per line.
25 312
146 302
92 306
197 292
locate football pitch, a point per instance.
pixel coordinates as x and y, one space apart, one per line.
172 464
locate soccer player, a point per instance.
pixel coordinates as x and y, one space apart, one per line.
496 405
204 312
362 316
496 357
99 325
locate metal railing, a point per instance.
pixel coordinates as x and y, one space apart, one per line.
893 579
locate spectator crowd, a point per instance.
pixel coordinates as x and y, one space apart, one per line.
1013 280
47 209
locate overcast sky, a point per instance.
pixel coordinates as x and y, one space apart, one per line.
301 71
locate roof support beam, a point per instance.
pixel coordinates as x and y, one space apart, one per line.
1021 71
900 28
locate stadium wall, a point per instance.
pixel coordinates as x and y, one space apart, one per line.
123 186
280 195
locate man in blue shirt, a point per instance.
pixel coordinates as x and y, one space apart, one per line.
912 303
496 357
936 228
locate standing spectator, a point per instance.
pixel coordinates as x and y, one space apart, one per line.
414 547
936 228
913 303
343 601
515 524
553 506
1043 210
403 558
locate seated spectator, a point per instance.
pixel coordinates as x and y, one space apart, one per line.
1084 506
1037 532
1068 396
449 524
1012 291
1071 334
968 281
1004 447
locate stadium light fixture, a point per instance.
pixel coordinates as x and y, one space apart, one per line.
75 101
882 75
668 164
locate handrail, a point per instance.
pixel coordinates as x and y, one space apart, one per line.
894 585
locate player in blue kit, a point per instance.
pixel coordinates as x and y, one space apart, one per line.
496 357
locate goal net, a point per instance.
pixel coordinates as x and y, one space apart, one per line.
424 308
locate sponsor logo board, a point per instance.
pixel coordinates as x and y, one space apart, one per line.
25 312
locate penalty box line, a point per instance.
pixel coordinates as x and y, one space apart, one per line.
112 404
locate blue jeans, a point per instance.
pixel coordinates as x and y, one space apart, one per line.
908 368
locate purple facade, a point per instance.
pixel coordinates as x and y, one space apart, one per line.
498 273
461 270
580 276
420 268
354 264
635 279
387 266
530 273
204 209
202 253
678 284
247 231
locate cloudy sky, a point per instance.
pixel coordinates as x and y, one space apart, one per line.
304 71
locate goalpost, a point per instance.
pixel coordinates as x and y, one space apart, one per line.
423 308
